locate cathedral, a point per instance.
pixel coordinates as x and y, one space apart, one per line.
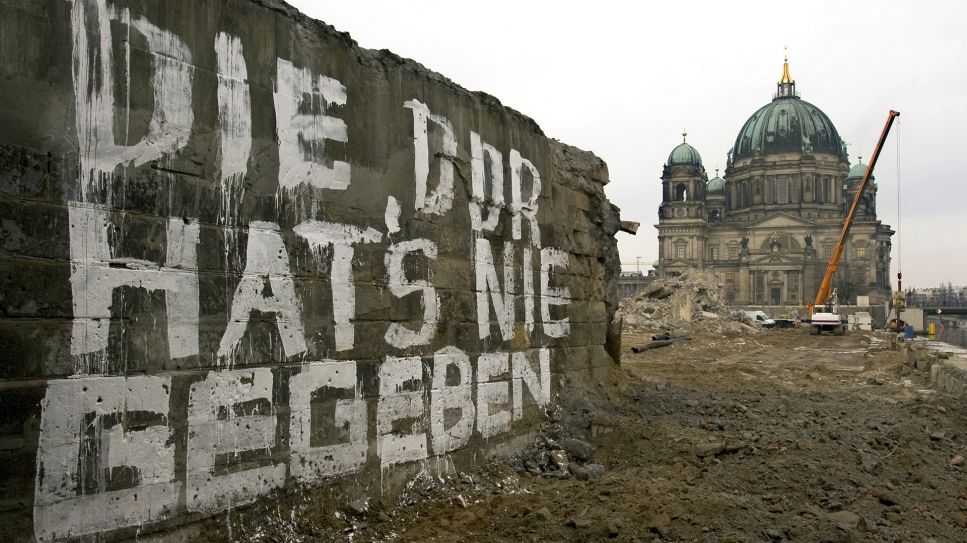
767 229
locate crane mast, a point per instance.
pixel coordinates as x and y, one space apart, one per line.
824 293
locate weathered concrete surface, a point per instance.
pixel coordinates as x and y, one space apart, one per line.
950 376
947 365
240 255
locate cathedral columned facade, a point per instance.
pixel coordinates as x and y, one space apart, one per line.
768 227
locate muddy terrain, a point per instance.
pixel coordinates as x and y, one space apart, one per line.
769 437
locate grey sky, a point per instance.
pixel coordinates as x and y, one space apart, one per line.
623 78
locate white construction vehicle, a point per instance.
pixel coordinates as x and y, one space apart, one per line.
828 318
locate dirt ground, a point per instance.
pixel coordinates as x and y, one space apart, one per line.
771 437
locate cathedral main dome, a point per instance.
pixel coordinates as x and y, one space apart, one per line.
788 124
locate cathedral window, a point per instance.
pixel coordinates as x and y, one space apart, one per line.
714 216
681 192
861 252
680 250
782 190
713 253
827 249
733 251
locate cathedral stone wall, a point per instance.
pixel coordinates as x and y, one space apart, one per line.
242 256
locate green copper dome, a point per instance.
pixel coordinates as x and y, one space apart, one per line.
716 186
857 171
788 124
684 154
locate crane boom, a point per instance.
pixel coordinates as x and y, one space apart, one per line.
825 288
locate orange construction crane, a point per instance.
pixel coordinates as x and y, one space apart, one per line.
825 288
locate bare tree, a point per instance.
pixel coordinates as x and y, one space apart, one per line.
849 281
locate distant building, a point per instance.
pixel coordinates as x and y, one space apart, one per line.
630 283
768 228
942 296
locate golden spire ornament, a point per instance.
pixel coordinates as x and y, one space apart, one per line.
786 78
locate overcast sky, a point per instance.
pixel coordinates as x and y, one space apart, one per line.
622 79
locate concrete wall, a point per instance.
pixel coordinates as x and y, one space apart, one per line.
914 317
629 284
240 255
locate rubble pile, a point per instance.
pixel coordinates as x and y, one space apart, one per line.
569 457
683 304
559 452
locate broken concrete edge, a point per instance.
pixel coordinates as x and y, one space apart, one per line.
630 227
589 174
945 364
950 377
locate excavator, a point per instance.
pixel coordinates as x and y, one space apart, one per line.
823 315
